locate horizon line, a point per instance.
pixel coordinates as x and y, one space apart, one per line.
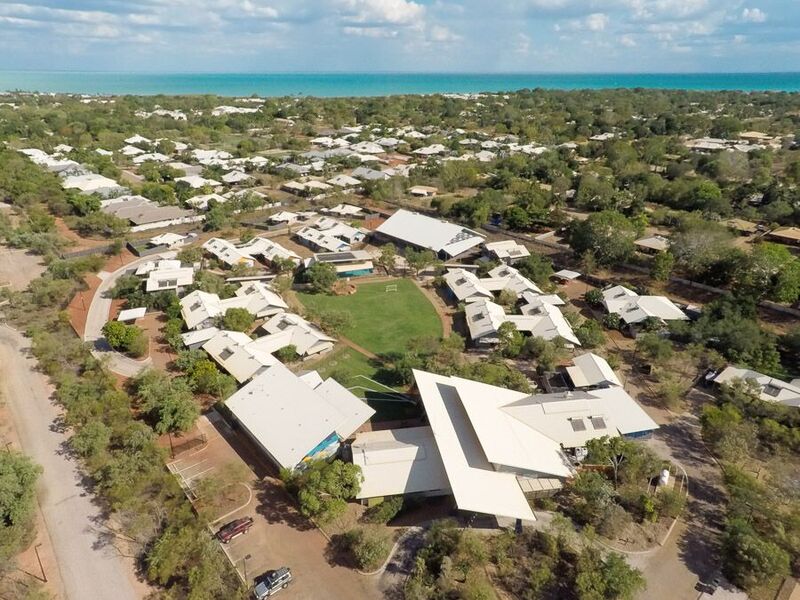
395 72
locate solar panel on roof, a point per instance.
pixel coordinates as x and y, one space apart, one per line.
577 425
598 423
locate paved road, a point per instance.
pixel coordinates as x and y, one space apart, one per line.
692 551
97 316
89 570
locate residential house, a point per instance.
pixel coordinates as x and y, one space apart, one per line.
506 251
355 263
770 389
634 309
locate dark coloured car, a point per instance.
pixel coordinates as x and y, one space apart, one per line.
271 582
233 529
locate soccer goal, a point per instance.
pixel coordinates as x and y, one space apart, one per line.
392 287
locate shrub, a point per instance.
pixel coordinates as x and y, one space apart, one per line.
385 511
670 502
614 521
594 297
368 547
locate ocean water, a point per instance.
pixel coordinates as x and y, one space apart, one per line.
375 84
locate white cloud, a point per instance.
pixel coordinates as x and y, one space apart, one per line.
382 12
370 32
593 22
754 15
627 41
442 35
523 44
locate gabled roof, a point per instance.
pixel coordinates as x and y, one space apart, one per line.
234 352
475 484
507 250
771 389
290 418
466 286
227 252
633 308
433 234
591 370
484 319
307 338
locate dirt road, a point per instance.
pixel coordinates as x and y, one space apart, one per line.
89 570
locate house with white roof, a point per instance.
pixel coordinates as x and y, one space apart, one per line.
196 182
343 181
138 139
201 202
329 235
269 250
296 419
488 446
201 309
344 210
175 279
235 177
151 157
652 244
592 371
308 339
506 251
235 353
466 286
144 214
633 308
485 317
367 174
355 263
770 389
92 183
131 151
447 240
227 253
432 150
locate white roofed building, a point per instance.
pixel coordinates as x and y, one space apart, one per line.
494 444
633 308
447 240
507 251
770 389
590 371
295 419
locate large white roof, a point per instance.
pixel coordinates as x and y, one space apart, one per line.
466 286
399 461
290 418
475 484
426 232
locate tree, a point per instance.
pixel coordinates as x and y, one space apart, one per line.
321 276
608 235
323 487
287 354
546 353
661 269
654 347
168 402
238 319
386 259
126 338
18 477
537 268
594 297
419 260
590 334
591 495
612 451
750 559
510 340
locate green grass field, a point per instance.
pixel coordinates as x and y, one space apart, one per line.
361 376
383 322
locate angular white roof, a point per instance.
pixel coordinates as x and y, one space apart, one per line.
131 314
199 306
507 250
771 389
196 181
169 279
307 338
227 252
190 338
269 249
290 418
484 319
426 232
592 370
476 486
466 286
633 308
235 353
399 461
89 183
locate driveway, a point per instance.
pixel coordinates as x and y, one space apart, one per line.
97 316
89 569
692 551
280 536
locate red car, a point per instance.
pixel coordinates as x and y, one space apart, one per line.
233 529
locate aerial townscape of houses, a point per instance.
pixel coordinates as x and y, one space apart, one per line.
492 449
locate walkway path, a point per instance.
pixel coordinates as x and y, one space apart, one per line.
89 568
97 316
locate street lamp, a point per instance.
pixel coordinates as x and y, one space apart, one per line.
244 564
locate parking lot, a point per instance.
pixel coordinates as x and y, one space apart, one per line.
280 535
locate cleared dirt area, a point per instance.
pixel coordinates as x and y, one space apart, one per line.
18 268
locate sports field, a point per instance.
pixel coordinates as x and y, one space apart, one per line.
383 321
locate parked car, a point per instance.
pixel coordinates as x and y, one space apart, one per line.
234 529
271 583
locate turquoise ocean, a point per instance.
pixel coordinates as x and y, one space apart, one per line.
375 84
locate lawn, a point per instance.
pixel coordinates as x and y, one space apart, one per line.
362 377
383 322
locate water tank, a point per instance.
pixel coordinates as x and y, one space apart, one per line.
663 479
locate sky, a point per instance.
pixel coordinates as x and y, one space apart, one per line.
249 36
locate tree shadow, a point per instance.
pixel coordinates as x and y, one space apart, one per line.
277 507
